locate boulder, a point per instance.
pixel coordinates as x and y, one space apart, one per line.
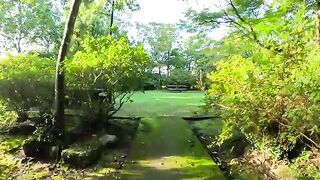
81 157
22 116
84 154
108 140
32 147
122 127
24 128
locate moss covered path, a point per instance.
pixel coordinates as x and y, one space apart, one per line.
166 149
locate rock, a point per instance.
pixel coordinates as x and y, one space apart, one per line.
32 147
122 127
108 139
82 155
24 128
53 152
22 116
80 158
42 119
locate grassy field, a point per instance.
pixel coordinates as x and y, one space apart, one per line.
163 103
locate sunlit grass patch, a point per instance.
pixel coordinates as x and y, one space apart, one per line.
160 103
176 162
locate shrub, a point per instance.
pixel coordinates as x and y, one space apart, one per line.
109 65
7 118
273 99
151 81
27 81
181 77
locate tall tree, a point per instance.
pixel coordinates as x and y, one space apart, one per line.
60 76
112 16
24 24
162 40
318 21
94 19
199 57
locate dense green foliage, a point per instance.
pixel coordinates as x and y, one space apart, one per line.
263 75
266 81
28 23
181 76
176 60
108 64
8 118
26 81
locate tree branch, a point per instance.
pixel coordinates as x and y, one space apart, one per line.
255 37
121 103
301 134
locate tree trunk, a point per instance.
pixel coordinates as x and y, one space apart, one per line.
168 65
109 92
318 22
112 17
160 82
60 76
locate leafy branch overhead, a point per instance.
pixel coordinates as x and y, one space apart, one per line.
259 21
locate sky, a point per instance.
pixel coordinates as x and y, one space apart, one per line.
171 11
162 11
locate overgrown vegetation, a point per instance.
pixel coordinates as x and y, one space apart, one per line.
262 77
267 87
100 77
109 65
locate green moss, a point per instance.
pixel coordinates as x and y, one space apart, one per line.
82 148
211 127
82 154
165 148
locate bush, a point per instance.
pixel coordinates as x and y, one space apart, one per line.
7 118
110 66
273 99
151 81
104 73
181 77
27 81
306 166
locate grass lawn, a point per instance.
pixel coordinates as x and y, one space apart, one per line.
163 103
165 147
